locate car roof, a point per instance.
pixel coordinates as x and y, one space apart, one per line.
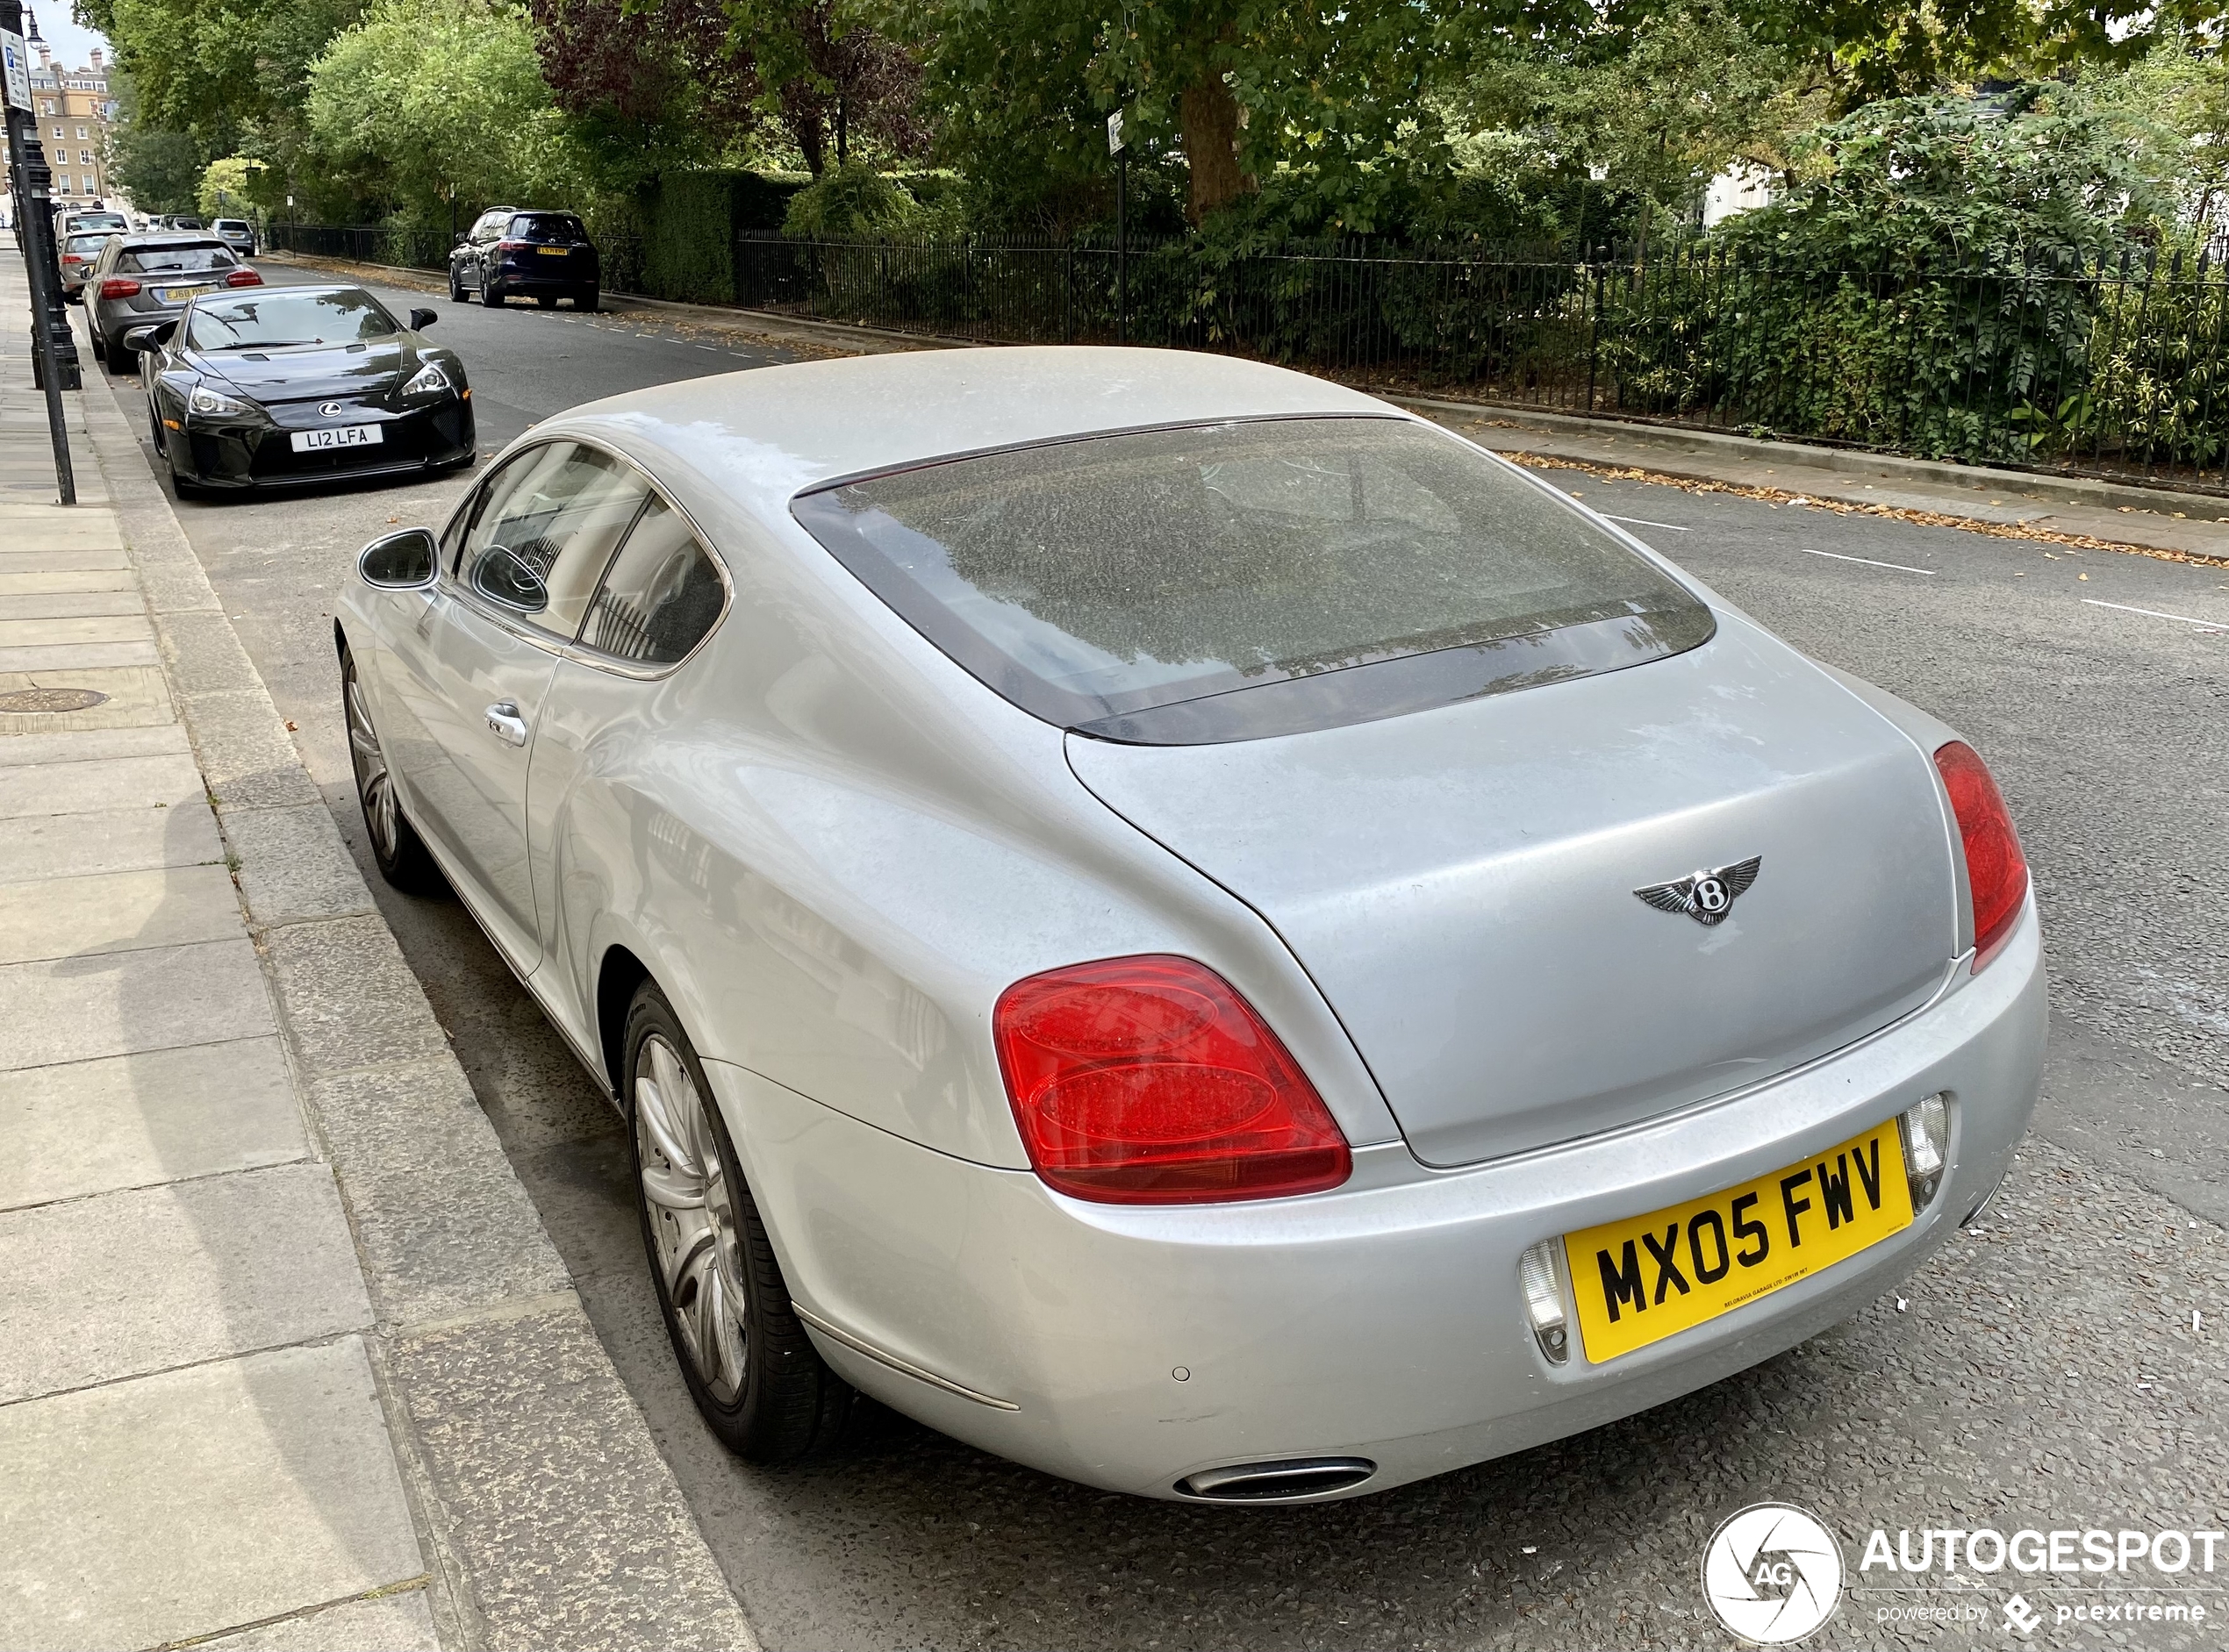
760 437
173 238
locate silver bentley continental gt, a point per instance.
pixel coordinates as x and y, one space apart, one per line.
1186 927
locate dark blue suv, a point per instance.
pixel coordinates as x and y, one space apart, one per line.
520 252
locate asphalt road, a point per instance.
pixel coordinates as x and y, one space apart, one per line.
2046 1371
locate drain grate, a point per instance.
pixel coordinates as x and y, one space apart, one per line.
51 700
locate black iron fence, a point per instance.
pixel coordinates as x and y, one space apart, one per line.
364 243
2110 368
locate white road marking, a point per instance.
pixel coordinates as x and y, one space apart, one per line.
2204 625
1868 562
1643 522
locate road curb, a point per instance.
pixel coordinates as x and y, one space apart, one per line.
546 1515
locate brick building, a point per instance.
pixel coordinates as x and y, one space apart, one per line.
72 111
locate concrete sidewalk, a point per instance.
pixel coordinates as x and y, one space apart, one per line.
286 1359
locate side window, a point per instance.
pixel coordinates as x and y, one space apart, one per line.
663 593
544 530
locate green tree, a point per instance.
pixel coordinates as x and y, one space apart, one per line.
1242 89
1654 110
228 71
424 97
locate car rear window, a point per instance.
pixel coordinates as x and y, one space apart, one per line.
547 226
273 317
184 256
1258 577
86 243
234 225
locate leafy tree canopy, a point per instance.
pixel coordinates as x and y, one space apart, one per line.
426 101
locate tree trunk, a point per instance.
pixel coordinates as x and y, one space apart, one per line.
1210 117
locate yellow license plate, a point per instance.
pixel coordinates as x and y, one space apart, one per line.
1640 1280
555 252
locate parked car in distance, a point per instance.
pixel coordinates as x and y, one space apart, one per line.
279 386
79 253
237 233
78 220
139 279
1187 927
513 251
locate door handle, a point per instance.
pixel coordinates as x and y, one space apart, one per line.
505 723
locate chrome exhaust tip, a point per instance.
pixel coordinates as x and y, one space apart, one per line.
1286 1480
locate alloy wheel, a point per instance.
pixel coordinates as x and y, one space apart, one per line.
374 785
692 1217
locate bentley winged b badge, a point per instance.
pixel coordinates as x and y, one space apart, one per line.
1705 896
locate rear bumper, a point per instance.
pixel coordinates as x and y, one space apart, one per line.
1380 1321
570 279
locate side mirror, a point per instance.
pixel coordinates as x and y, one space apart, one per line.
399 561
420 319
150 339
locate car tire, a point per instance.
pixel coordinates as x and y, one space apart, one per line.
546 300
592 300
456 286
93 335
121 362
490 295
397 849
760 1384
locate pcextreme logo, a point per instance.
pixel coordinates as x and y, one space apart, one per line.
1773 1573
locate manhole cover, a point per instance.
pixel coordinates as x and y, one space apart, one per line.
50 700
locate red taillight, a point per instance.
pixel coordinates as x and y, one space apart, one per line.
1149 1081
119 287
243 277
513 247
1996 870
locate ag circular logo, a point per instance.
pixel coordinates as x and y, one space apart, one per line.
1772 1573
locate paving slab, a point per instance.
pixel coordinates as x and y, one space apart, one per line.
79 1009
128 626
77 656
294 866
137 1120
185 1504
204 656
245 753
16 606
122 1284
82 579
443 1226
44 846
79 918
397 1623
562 1510
351 1001
132 694
100 785
89 745
59 562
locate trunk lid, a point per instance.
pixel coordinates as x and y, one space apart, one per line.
1460 884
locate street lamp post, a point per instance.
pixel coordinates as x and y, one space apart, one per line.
54 346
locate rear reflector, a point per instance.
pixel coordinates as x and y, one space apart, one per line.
1996 872
243 278
119 287
1150 1081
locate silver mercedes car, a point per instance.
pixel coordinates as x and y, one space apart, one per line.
1185 926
